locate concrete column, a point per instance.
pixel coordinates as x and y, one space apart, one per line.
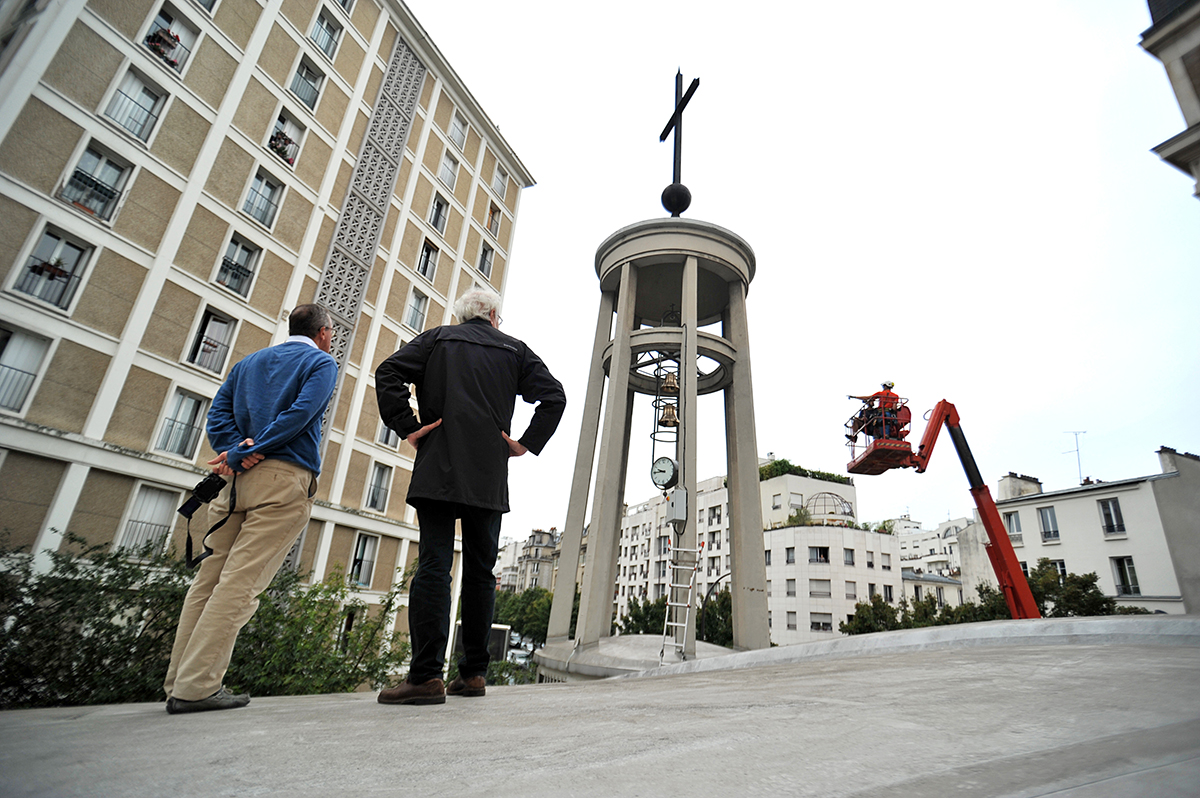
748 577
58 517
689 393
595 609
572 536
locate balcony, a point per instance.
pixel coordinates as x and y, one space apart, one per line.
1050 536
91 195
1017 539
141 534
50 282
261 206
236 277
283 146
377 498
14 387
1128 590
180 437
1114 529
305 90
166 45
210 354
132 115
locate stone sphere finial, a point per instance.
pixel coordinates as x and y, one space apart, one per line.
676 198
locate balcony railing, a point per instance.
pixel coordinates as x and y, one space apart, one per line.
14 387
92 195
166 45
210 354
132 115
325 39
1017 539
140 534
306 91
1128 590
234 276
819 593
1050 534
377 498
49 282
1114 529
360 572
179 437
261 206
282 145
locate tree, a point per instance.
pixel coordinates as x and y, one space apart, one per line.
644 617
875 615
799 517
537 617
715 624
1060 596
777 468
886 527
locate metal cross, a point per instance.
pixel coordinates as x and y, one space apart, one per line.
676 120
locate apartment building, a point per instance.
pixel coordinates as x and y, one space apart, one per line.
535 564
175 175
1174 39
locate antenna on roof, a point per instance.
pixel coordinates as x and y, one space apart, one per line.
1078 463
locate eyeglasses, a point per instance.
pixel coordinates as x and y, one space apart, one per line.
499 320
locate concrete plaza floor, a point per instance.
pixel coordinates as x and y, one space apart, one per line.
1070 708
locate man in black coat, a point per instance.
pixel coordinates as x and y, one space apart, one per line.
468 377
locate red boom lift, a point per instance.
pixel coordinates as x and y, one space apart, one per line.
886 449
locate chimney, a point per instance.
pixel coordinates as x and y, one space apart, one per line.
1015 485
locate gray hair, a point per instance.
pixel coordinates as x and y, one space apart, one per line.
478 303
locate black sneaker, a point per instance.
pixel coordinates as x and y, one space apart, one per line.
218 700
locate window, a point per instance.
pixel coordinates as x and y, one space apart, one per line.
325 34
870 559
306 84
377 491
917 592
418 304
486 256
796 500
1061 567
211 345
53 270
237 267
346 4
500 181
662 569
714 516
848 556
135 106
184 424
20 359
887 593
262 201
851 590
789 555
95 185
664 545
438 213
427 264
493 220
1048 522
791 620
388 437
458 130
768 553
363 566
776 501
941 596
285 139
818 554
870 589
170 39
768 587
820 621
1126 576
820 588
1110 514
1012 522
150 520
714 541
791 587
885 562
449 171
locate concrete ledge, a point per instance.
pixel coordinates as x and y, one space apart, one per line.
1139 630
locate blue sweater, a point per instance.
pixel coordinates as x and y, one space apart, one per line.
277 397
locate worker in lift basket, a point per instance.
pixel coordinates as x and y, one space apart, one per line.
878 414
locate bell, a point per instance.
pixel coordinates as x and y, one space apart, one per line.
669 419
670 384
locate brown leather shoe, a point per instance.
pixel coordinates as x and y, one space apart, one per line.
470 686
430 692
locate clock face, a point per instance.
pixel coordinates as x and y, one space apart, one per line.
664 472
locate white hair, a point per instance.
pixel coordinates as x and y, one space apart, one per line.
478 303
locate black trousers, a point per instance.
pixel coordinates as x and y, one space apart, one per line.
429 595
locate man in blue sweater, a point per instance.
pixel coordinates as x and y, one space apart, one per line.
265 425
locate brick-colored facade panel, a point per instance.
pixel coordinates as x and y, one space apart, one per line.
230 172
211 72
38 146
360 339
271 284
325 481
203 243
300 12
385 559
473 144
427 90
356 478
85 65
341 549
279 56
147 210
27 486
454 226
253 115
97 516
349 60
396 504
250 339
134 418
237 19
397 298
366 12
68 387
293 220
124 15
171 321
385 346
331 107
445 107
410 247
344 401
313 162
112 288
324 240
180 137
16 223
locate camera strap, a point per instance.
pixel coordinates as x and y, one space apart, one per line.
193 562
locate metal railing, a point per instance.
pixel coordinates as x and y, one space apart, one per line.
377 497
1128 590
1050 534
262 207
234 276
209 354
1018 539
179 437
1114 529
305 90
49 283
91 194
359 569
139 534
132 115
166 45
14 386
324 39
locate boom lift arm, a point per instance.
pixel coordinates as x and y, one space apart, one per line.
999 549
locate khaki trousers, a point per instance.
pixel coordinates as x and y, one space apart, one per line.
274 500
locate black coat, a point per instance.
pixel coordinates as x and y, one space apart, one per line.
469 376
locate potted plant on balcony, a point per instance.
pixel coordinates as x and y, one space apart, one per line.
53 269
279 144
162 43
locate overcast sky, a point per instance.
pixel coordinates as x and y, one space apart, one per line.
956 196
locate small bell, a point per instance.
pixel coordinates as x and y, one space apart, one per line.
669 419
670 384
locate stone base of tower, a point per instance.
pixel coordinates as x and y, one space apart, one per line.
622 655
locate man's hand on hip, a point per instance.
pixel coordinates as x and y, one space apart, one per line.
221 466
414 437
515 449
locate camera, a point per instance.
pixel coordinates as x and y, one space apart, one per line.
205 491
